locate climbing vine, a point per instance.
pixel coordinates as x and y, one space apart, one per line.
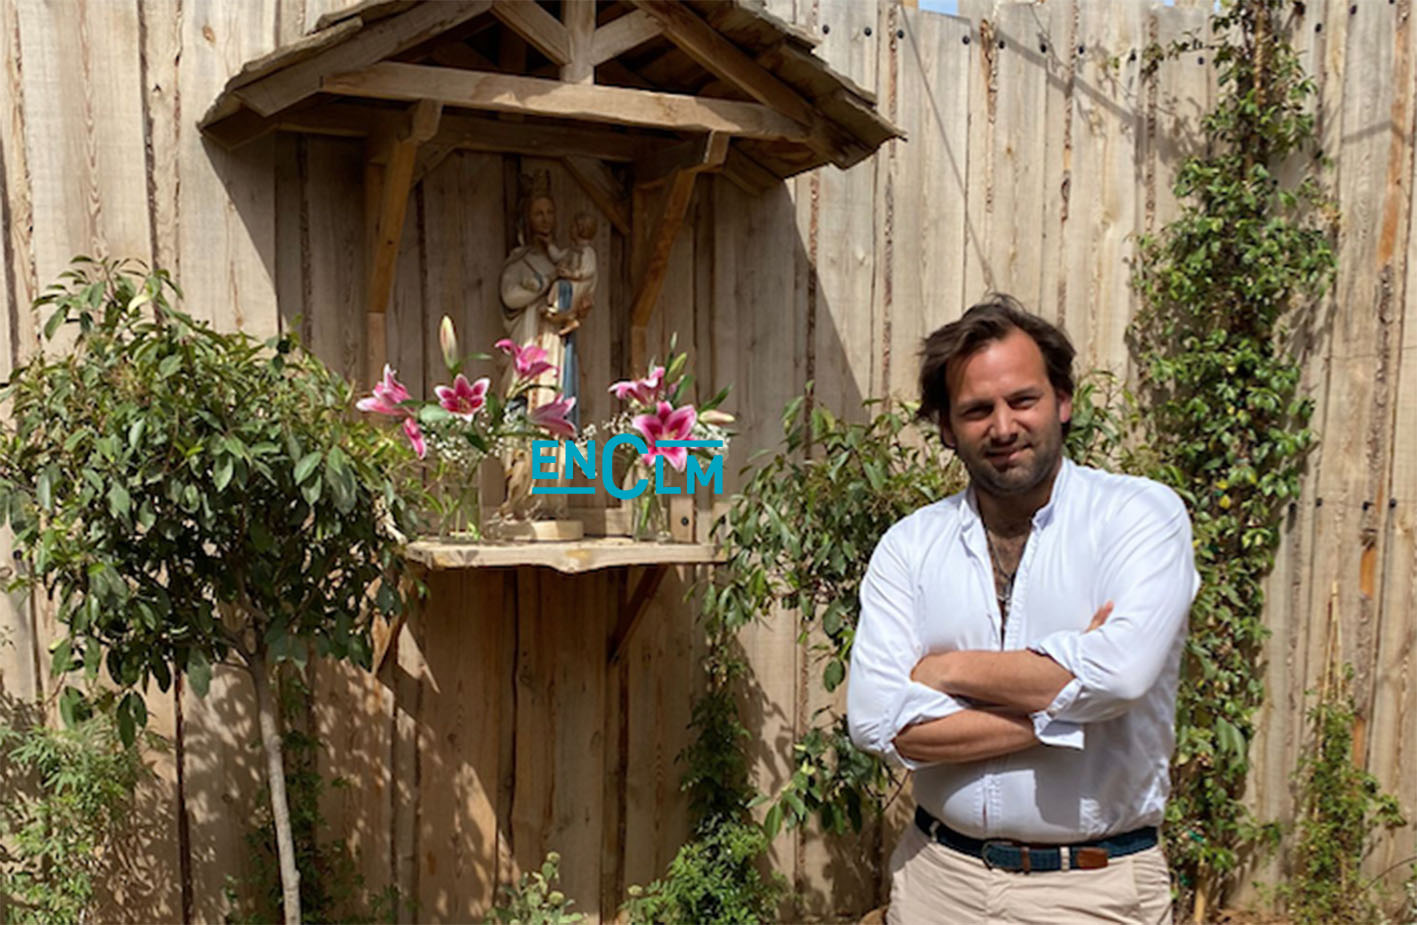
1223 288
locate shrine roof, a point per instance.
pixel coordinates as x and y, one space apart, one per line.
647 82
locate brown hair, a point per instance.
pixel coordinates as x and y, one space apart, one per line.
987 321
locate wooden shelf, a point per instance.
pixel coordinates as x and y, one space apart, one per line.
570 557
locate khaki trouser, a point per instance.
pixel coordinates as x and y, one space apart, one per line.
934 884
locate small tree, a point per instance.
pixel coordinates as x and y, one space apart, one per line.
191 498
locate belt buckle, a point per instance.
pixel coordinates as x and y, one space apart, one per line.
1024 865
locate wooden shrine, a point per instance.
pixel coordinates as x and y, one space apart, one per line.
515 716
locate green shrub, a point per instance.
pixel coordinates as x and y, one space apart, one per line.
68 796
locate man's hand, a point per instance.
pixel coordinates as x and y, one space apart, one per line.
1100 617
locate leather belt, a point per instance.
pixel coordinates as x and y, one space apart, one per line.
1005 854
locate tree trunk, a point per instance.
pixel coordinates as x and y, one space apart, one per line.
275 770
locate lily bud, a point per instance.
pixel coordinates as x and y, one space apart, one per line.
448 340
717 417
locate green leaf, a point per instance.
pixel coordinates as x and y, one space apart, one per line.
772 822
59 663
71 706
119 503
169 365
199 673
56 319
221 473
44 491
834 674
306 466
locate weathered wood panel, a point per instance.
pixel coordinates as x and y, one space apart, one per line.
1026 169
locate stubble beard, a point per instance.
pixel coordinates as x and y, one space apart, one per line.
1020 478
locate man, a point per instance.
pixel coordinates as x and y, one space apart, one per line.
1018 649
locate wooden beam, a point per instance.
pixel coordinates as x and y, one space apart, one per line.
602 187
633 610
479 133
527 19
747 174
650 258
579 18
393 199
286 87
430 156
703 153
532 96
707 47
620 35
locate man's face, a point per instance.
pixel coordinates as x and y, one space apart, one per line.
541 216
1005 419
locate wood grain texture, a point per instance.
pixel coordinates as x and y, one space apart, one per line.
1026 169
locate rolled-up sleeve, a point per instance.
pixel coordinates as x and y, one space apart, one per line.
881 699
1148 571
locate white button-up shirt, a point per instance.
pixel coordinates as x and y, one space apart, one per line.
1106 740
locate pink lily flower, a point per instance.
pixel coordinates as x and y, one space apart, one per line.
530 360
414 434
462 398
668 423
644 391
388 396
551 417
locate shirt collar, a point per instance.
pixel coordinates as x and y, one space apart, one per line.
1041 518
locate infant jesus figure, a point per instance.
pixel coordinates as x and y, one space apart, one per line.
576 264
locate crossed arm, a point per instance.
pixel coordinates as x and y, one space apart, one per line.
1013 685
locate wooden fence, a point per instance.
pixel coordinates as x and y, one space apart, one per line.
1039 146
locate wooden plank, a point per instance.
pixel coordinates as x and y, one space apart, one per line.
225 782
538 27
461 710
622 34
226 258
979 277
83 127
474 133
534 96
292 231
388 37
1354 434
405 320
847 331
533 801
408 677
354 723
338 255
388 230
464 249
326 13
1386 573
569 558
579 17
655 249
21 674
576 703
162 46
929 188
